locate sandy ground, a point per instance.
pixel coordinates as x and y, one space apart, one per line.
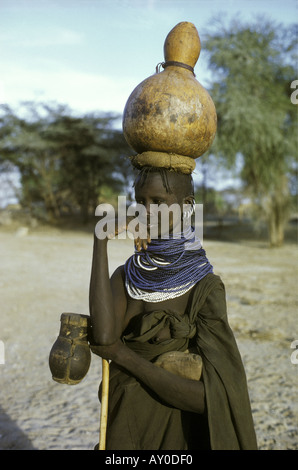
44 273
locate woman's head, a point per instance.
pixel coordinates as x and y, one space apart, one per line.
159 186
174 182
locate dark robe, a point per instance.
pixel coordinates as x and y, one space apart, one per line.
139 420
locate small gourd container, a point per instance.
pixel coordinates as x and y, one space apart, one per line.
70 356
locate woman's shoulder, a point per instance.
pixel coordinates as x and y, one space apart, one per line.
209 295
209 283
119 273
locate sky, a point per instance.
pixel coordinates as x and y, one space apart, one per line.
91 54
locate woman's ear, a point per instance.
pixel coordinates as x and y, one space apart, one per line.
190 200
188 207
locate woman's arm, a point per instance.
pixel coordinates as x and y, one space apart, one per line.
107 300
185 394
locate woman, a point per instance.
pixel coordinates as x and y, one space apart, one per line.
166 298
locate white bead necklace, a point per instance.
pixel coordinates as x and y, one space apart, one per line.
139 294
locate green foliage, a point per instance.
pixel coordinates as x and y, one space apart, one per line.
253 69
64 160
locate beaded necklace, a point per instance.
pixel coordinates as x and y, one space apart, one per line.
167 269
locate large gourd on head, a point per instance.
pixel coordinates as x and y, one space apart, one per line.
169 118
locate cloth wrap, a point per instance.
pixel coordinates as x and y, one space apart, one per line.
139 420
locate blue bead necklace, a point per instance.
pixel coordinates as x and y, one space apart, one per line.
167 269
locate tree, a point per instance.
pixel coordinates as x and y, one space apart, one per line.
64 160
91 154
252 73
23 145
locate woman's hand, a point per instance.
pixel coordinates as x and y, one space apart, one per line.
111 227
142 243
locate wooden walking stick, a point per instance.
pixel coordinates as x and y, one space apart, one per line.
104 404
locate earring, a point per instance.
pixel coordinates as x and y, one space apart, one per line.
187 213
193 207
